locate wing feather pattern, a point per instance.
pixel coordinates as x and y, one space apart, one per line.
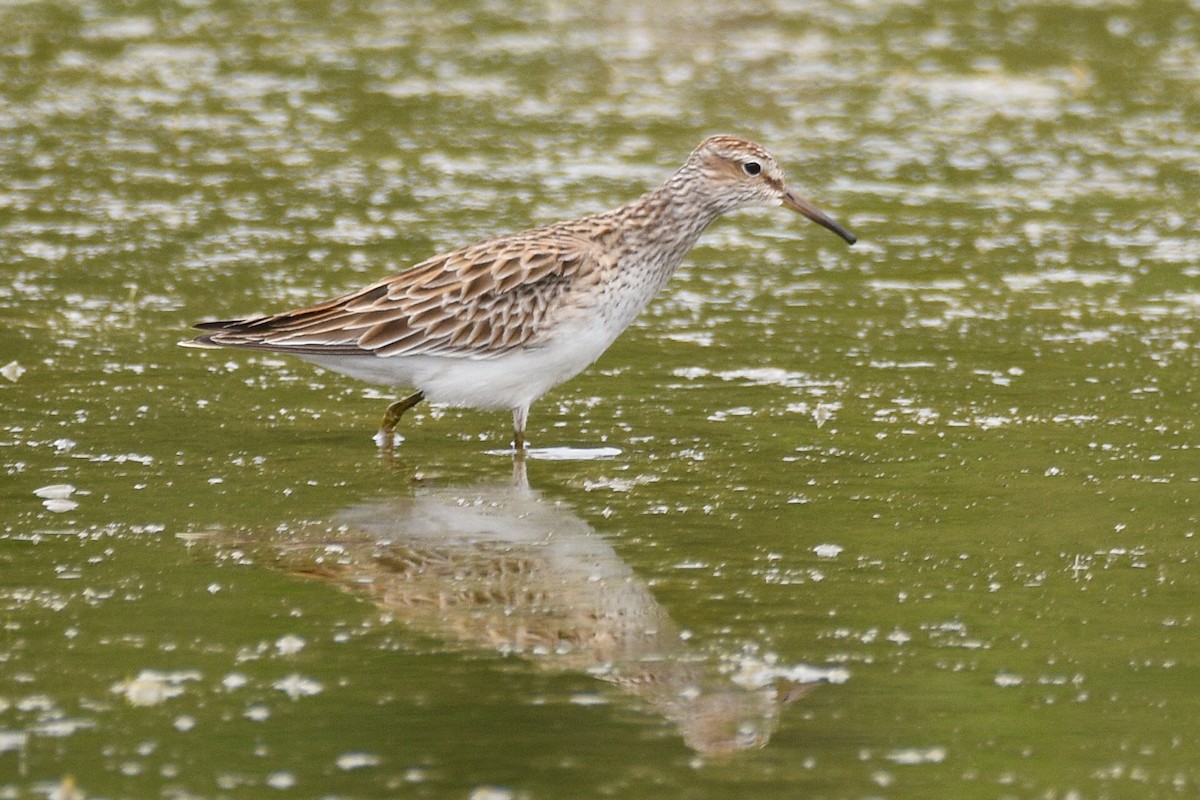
477 302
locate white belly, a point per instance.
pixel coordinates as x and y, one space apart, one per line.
513 380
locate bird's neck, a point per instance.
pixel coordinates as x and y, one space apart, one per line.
669 219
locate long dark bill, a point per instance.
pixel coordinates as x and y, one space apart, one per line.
797 203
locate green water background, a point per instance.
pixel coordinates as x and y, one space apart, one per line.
992 531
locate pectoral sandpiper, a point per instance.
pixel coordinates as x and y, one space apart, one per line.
498 324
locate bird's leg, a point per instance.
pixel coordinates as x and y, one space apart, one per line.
520 417
393 414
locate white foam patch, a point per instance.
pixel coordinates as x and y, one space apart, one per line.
151 687
910 756
563 453
55 491
753 673
12 371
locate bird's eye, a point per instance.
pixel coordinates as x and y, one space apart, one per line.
752 167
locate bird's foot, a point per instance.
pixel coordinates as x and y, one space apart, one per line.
387 438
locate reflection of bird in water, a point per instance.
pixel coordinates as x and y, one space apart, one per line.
502 568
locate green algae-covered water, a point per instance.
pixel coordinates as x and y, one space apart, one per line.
912 519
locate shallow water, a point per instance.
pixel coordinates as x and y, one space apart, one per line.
914 518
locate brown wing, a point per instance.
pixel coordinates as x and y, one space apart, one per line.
477 302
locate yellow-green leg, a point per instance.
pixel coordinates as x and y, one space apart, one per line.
393 414
520 417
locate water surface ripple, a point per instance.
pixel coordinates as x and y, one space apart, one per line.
951 472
